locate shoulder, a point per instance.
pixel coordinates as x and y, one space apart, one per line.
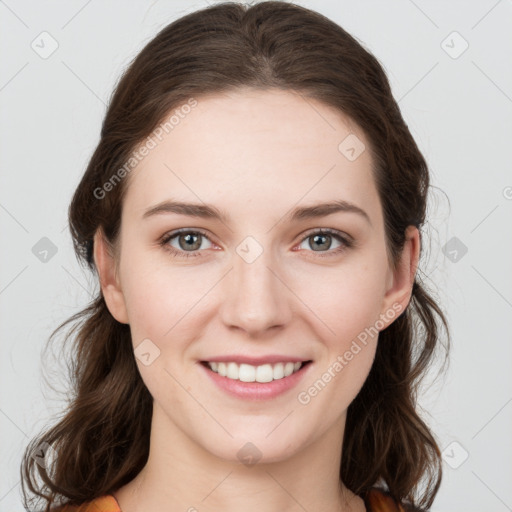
105 503
378 500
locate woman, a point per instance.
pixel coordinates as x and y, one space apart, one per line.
253 212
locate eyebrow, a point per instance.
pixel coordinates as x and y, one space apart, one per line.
207 211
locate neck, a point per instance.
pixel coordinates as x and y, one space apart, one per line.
180 475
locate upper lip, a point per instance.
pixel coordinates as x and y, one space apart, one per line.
255 361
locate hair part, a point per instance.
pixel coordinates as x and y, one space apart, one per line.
102 442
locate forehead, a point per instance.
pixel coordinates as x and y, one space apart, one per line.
254 149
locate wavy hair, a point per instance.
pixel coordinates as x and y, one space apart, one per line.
102 440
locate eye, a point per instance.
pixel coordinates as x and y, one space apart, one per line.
321 240
188 242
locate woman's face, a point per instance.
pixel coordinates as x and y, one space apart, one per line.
252 275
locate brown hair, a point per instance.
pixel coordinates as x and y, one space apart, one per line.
102 441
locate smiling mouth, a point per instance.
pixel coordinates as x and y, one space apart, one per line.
249 373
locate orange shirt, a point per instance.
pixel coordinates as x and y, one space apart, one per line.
105 503
375 501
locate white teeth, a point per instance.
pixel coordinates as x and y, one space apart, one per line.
264 373
250 373
288 369
245 373
278 371
232 371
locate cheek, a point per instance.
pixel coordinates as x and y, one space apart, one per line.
156 295
348 309
346 299
158 302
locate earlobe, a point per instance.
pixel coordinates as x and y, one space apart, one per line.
401 280
109 282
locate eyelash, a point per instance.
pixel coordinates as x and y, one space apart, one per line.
346 242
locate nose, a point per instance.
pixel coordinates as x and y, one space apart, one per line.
254 297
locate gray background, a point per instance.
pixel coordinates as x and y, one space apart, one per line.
458 105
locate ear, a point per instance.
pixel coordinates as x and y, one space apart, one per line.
109 281
400 280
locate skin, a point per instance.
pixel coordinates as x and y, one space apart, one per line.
256 155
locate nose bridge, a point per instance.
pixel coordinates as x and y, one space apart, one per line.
254 299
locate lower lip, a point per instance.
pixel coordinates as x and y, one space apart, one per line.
256 390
